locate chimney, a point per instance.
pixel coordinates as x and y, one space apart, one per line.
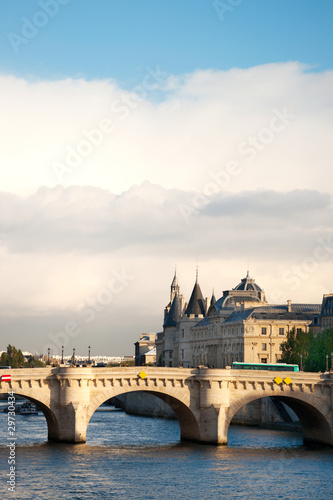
289 305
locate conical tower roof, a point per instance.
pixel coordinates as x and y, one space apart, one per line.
173 316
213 299
196 305
174 289
174 283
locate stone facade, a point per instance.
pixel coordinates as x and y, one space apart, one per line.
239 326
326 314
145 351
204 401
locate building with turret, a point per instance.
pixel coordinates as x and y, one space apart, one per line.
239 326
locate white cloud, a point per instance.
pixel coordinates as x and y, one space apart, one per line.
194 129
60 244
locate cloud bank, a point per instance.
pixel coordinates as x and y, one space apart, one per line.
62 247
228 167
172 130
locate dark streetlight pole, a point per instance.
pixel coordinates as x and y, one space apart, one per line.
327 362
228 358
89 355
73 360
48 356
301 356
62 354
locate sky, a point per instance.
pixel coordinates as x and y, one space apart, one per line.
140 136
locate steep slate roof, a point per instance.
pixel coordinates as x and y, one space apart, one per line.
298 312
173 316
196 304
248 284
228 302
203 322
327 306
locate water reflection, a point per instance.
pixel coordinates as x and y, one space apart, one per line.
139 458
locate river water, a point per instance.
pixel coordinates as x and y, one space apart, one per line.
129 457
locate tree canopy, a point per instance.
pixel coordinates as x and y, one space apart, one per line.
312 346
14 358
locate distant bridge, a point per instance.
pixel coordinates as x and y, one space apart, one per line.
204 400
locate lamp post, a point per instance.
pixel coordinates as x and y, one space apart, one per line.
301 356
327 362
48 356
228 358
62 354
89 355
73 357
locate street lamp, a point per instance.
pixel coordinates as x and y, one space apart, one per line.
228 358
301 356
89 355
62 354
327 362
48 356
73 357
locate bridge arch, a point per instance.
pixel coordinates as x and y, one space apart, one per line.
314 414
187 419
43 404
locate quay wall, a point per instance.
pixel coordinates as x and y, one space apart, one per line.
261 412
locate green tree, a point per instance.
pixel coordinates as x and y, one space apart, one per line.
32 362
297 343
313 346
12 357
321 346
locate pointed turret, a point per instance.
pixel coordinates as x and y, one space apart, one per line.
173 316
213 299
174 287
196 305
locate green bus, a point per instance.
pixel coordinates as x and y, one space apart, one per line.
277 367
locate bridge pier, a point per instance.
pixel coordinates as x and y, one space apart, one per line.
72 423
209 425
204 400
74 399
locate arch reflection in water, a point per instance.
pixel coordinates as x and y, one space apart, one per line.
29 429
117 429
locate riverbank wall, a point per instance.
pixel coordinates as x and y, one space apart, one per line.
265 412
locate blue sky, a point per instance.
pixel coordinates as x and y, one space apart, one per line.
117 39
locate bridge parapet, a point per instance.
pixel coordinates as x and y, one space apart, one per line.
205 400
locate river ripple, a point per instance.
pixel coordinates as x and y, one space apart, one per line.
140 458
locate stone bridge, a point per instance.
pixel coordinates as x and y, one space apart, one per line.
204 400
